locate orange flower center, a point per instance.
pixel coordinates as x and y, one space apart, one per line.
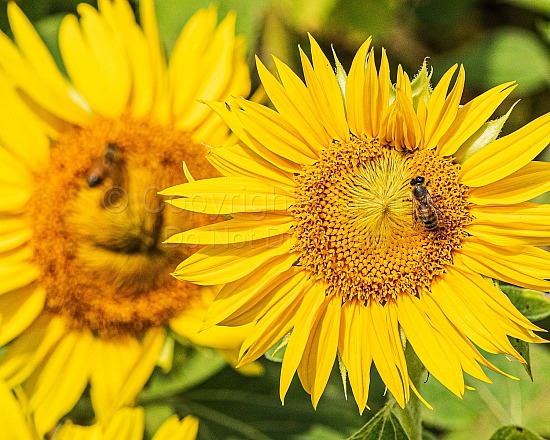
361 228
99 225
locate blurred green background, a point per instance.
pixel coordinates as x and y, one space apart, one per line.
497 41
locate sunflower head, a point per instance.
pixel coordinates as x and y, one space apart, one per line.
86 295
352 222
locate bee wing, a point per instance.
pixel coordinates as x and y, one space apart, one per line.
415 204
431 202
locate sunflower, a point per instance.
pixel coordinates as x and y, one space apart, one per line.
126 424
85 293
352 222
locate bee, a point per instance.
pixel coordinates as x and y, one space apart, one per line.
102 166
424 209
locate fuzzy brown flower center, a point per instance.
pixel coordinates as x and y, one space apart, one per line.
355 224
99 225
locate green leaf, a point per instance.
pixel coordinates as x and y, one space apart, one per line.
232 406
542 6
515 433
506 54
383 426
191 366
532 304
486 134
522 348
420 85
277 352
491 405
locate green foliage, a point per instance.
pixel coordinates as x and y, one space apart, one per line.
532 304
522 348
542 6
515 433
231 405
506 54
383 426
490 406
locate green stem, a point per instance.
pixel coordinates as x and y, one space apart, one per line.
411 416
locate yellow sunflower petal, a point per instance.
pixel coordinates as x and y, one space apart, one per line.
175 429
436 356
371 105
355 351
28 350
355 89
12 241
15 425
127 424
220 204
451 292
17 276
320 350
228 114
121 19
493 302
471 117
285 106
379 341
20 130
441 110
236 161
507 154
149 24
59 381
231 184
504 263
496 300
187 55
189 325
330 89
277 317
35 70
525 184
508 234
303 322
268 127
14 176
235 231
530 215
69 431
219 265
217 60
85 68
328 101
18 309
239 301
296 88
466 352
112 63
114 361
403 126
121 369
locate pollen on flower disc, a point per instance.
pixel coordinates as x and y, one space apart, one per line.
99 225
354 224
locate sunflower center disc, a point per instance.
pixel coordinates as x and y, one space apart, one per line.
99 225
355 225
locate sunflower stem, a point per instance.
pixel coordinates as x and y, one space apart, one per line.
411 416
